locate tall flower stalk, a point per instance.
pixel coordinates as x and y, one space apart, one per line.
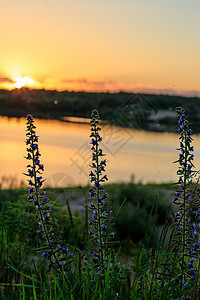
101 214
185 240
57 254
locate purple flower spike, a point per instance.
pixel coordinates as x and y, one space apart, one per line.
185 232
192 259
94 142
190 265
41 167
38 197
101 218
47 216
104 227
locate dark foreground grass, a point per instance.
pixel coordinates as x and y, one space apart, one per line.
49 251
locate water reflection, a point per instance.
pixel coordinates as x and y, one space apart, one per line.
66 153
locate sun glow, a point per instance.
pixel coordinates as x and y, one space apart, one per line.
22 81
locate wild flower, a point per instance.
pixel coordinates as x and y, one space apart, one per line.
100 221
185 236
47 229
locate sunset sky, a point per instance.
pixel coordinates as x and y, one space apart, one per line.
107 45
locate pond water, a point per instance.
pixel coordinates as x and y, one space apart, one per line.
65 148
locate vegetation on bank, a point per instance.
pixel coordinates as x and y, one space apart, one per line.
47 251
121 109
129 202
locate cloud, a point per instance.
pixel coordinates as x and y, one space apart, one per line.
83 84
5 80
90 85
102 85
83 81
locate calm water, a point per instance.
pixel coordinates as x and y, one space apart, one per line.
65 149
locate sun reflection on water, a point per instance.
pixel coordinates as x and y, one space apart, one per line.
65 150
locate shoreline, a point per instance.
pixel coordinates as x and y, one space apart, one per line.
149 125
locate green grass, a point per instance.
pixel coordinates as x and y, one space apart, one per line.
23 272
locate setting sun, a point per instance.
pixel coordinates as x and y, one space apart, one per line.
22 81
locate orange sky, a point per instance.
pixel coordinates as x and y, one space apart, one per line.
106 45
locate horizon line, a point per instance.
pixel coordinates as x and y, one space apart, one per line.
147 91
